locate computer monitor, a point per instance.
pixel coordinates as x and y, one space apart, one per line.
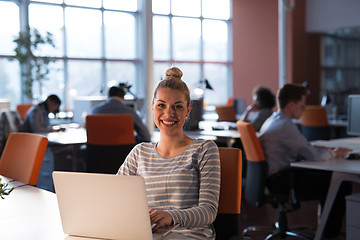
353 127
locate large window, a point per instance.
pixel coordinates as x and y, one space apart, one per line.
9 70
98 44
95 45
195 35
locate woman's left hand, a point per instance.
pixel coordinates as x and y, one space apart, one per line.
159 218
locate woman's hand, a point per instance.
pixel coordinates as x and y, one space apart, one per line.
159 218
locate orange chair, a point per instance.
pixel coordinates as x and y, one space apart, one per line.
314 123
22 109
110 137
226 113
228 217
22 157
256 193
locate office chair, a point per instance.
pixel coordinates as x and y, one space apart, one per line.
22 109
110 137
228 217
22 157
226 113
9 123
314 123
256 193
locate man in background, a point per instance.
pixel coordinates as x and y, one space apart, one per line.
115 105
283 143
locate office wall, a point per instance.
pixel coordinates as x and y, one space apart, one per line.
327 15
255 51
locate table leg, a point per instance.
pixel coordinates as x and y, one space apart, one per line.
336 179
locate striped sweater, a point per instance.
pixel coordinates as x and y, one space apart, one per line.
186 185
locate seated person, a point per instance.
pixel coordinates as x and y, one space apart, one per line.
37 117
283 143
182 174
115 105
263 104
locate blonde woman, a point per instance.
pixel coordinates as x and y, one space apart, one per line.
182 174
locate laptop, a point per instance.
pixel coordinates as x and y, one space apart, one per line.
104 206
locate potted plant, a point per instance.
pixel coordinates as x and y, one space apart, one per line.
37 67
5 189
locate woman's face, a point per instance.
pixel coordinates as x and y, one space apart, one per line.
170 110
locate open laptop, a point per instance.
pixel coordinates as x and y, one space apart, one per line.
104 206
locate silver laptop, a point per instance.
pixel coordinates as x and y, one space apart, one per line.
103 206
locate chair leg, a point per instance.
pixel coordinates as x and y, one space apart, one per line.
280 229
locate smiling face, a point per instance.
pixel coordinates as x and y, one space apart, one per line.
170 109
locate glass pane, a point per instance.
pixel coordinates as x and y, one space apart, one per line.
84 3
47 18
84 79
125 5
116 43
54 84
215 35
218 76
161 38
121 72
191 74
159 72
10 81
190 8
216 9
83 29
49 1
9 25
161 6
186 35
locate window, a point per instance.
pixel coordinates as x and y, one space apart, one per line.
98 44
9 70
95 45
194 35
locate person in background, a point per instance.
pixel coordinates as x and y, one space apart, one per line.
283 143
115 105
182 174
37 117
263 104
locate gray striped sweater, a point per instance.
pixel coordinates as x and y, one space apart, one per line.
186 185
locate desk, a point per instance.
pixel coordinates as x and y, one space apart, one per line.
73 138
342 170
29 213
32 213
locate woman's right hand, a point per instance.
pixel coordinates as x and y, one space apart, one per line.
159 218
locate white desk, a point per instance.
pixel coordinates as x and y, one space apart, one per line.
342 170
29 213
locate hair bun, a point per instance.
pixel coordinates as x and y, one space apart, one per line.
173 72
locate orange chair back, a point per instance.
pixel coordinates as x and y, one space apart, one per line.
314 116
226 113
22 109
231 176
22 157
110 129
250 142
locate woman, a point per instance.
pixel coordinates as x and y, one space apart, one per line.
182 175
37 118
263 104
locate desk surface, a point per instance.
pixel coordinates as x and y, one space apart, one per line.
337 164
73 136
32 213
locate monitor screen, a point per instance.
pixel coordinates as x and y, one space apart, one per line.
354 115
